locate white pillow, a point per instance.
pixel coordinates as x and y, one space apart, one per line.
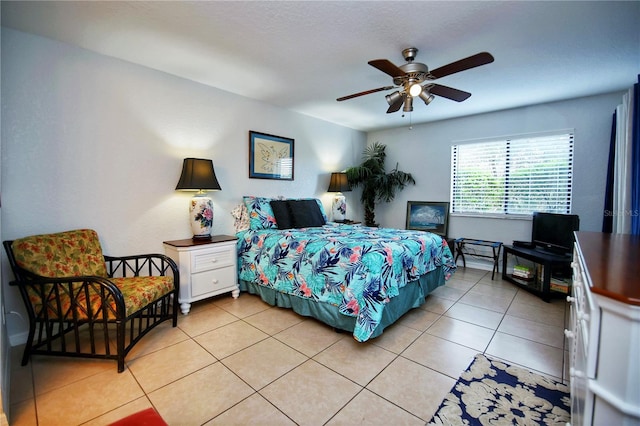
241 217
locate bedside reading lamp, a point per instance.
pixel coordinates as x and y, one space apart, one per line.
198 175
339 184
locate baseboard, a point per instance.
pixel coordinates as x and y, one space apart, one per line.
477 264
18 338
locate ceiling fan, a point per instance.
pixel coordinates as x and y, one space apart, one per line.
411 75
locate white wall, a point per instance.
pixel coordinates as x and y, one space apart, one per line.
91 141
425 152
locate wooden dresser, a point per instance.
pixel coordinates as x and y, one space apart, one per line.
604 333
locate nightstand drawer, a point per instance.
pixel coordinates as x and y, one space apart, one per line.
211 281
213 258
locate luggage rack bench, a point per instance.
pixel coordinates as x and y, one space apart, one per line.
461 244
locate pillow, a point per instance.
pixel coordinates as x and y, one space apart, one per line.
63 254
306 213
241 218
282 213
260 213
324 215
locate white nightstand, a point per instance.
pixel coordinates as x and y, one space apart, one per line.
207 268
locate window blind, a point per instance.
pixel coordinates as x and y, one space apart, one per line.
513 176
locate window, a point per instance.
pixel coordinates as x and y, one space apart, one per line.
519 175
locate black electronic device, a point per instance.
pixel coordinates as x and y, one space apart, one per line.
553 232
524 244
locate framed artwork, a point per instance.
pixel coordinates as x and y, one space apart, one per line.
431 216
270 156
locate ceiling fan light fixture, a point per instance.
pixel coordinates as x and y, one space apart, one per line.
393 97
408 104
415 90
426 97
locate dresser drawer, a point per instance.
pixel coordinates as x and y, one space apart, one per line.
213 258
212 281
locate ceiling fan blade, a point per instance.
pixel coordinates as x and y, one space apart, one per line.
387 67
473 61
449 92
366 92
395 106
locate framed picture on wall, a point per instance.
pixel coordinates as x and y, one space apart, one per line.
270 156
431 216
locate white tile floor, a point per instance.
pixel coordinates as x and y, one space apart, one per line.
245 362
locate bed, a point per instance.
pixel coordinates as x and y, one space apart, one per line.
351 277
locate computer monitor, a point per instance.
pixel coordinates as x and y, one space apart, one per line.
553 232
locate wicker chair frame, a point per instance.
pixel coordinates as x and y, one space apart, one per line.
62 323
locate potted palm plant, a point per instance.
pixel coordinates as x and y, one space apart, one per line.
377 184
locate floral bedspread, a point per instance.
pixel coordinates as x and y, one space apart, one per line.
356 268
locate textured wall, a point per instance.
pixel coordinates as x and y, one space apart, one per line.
90 141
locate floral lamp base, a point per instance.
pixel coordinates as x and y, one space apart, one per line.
339 207
201 216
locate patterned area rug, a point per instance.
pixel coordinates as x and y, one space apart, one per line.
491 392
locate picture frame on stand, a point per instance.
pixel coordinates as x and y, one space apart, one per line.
431 216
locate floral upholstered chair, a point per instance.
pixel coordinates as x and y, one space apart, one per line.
83 303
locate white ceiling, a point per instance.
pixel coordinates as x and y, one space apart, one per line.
302 55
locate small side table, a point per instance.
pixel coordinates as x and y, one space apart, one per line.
495 247
207 268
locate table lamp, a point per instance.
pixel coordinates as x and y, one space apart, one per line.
339 184
198 175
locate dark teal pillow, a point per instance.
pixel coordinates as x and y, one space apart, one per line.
282 213
305 213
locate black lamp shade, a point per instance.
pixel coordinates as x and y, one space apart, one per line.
339 183
197 174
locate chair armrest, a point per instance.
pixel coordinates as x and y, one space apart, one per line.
142 265
54 292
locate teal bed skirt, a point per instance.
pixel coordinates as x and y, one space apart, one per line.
411 296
